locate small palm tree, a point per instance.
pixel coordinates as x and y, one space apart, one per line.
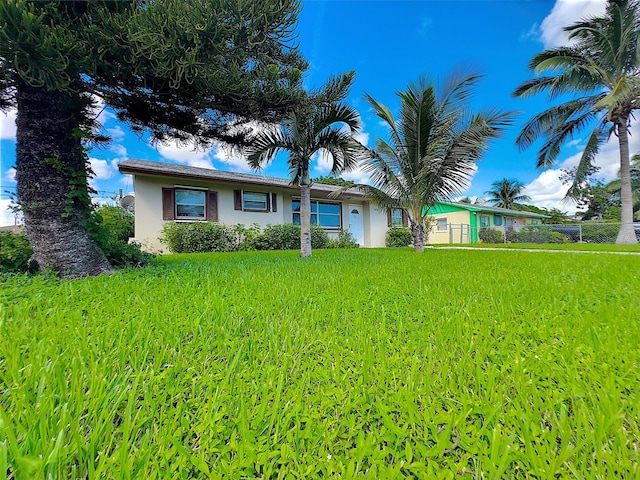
318 126
506 193
432 150
602 67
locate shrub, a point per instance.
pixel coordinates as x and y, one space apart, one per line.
319 238
118 222
199 237
278 237
600 232
489 235
15 253
345 240
398 237
537 234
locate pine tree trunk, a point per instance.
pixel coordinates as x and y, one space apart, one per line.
627 233
305 221
417 231
52 182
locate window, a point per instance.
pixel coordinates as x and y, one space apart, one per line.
497 220
327 215
190 204
255 201
484 221
396 217
441 224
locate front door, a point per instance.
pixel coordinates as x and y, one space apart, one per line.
356 224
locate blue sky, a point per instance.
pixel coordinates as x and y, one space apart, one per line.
390 44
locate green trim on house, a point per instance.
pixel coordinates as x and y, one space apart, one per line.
473 227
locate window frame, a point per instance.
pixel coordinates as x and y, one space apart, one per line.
488 221
439 223
177 216
498 220
266 201
399 221
317 212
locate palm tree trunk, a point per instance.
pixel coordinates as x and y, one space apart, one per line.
627 233
417 231
305 221
52 182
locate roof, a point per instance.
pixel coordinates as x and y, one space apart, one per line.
501 211
146 167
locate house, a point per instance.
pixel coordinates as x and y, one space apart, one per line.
462 222
167 192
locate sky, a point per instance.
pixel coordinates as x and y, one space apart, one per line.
390 44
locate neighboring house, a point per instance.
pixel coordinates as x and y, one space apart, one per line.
460 222
167 192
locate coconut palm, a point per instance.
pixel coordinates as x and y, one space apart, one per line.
634 173
602 67
432 150
506 193
318 126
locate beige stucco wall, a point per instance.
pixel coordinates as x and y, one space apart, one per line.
149 222
456 218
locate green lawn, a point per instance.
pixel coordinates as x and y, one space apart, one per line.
585 247
353 364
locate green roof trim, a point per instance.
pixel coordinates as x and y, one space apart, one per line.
446 207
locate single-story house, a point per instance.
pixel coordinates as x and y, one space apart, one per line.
456 222
167 192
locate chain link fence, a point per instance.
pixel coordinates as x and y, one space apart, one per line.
564 233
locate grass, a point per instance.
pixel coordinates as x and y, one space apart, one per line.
585 247
353 364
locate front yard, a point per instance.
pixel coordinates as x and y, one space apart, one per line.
353 364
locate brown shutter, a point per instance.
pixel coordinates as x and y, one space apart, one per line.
405 220
212 206
388 217
237 199
268 202
274 202
168 204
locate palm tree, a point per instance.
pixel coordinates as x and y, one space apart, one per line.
602 67
432 149
506 193
634 172
318 126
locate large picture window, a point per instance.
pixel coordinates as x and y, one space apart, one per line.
190 204
325 214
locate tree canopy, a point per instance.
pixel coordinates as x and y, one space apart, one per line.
179 69
601 70
432 150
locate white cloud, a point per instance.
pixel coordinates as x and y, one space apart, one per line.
231 157
8 125
10 175
119 150
101 168
7 216
116 133
563 14
171 150
548 191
